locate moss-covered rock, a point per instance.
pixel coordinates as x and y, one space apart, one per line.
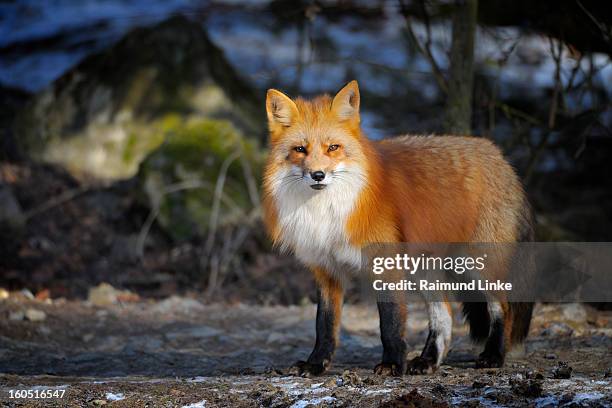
96 119
181 175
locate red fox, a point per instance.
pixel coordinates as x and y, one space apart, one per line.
329 191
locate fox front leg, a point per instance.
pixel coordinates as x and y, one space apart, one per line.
438 340
392 328
329 308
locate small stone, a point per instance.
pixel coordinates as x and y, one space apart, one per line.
331 383
106 295
18 315
27 294
4 294
177 304
557 329
34 315
98 402
43 295
562 371
550 356
574 312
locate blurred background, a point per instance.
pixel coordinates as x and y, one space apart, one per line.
133 134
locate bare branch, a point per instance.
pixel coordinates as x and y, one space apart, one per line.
425 49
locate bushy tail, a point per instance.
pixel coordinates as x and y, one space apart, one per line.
521 312
477 316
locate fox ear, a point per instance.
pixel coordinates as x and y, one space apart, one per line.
346 102
280 108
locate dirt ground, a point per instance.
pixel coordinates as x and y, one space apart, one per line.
179 352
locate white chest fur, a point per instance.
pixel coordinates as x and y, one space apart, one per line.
313 223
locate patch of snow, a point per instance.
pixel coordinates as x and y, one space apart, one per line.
315 401
201 404
198 379
376 392
587 396
110 396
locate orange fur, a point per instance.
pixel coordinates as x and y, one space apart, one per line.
419 188
329 191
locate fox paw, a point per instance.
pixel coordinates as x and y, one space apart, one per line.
420 365
306 369
388 369
488 360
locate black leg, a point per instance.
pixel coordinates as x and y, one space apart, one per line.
495 348
328 327
392 328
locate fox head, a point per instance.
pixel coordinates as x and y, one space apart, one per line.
316 144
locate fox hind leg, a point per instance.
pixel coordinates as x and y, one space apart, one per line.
509 324
494 352
438 340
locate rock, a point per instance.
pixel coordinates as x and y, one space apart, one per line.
97 119
35 315
98 402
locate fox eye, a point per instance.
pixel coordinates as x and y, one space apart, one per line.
300 149
333 147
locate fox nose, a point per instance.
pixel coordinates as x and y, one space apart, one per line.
317 175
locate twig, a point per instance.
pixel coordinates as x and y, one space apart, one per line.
250 181
511 111
55 201
607 35
214 214
552 114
